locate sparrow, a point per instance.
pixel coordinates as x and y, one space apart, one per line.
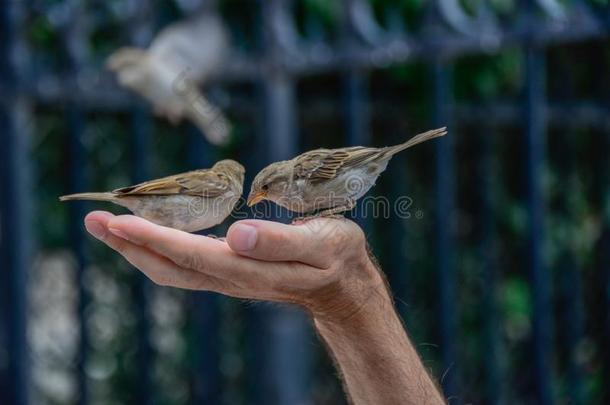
327 181
189 201
168 74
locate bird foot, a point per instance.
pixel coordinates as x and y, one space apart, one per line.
301 220
336 212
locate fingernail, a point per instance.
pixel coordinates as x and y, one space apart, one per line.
244 237
119 233
96 229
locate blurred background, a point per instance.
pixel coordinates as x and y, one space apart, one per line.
501 273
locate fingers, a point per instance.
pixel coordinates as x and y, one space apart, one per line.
314 242
273 264
200 253
159 269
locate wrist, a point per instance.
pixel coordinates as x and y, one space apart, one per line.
357 289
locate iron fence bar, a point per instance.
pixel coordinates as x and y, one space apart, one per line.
74 54
487 246
140 139
76 183
535 130
397 265
15 208
355 95
445 206
281 335
603 249
141 129
286 328
356 121
571 319
207 387
602 246
397 51
605 266
578 113
140 33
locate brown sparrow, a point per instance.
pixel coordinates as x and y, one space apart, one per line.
167 74
189 201
330 180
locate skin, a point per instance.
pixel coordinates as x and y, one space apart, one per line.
322 265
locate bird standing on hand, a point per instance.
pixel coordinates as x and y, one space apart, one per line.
189 201
167 74
327 180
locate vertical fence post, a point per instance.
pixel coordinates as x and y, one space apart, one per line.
141 130
205 312
488 175
445 206
356 121
535 121
355 92
76 181
281 335
356 109
602 256
74 52
603 262
285 368
15 211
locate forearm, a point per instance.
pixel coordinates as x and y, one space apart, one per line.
377 361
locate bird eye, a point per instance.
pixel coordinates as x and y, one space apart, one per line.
265 187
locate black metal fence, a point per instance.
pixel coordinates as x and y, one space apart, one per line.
279 49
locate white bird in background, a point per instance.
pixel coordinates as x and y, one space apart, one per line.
167 74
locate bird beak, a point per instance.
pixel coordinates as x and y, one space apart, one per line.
256 197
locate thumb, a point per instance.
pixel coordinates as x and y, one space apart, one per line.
314 242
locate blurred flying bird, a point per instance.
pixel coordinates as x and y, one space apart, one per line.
327 180
189 201
168 74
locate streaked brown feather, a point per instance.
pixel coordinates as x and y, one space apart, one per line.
206 182
324 164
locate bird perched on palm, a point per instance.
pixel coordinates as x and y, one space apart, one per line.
189 201
168 73
327 180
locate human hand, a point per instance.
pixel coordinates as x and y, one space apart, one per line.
321 264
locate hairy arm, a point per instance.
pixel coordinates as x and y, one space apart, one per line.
377 362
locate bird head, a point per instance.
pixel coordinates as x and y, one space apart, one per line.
231 167
270 183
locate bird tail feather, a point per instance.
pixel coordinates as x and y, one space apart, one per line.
209 119
417 139
88 196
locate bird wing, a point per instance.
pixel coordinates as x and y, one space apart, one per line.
206 183
196 46
324 164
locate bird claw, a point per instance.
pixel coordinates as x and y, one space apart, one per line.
335 216
301 220
219 238
336 213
